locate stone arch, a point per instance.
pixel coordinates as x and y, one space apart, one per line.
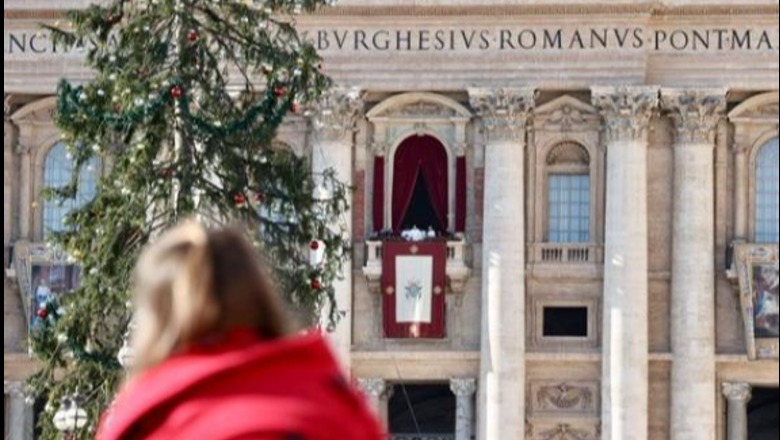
419 104
568 153
758 107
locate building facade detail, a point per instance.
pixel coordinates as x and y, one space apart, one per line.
627 112
464 390
695 115
503 370
738 396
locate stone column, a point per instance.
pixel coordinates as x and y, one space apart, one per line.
378 394
464 390
738 395
627 112
695 115
334 119
20 414
502 368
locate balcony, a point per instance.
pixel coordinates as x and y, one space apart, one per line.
457 270
559 253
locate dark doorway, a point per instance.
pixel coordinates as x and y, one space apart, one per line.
422 410
420 213
764 414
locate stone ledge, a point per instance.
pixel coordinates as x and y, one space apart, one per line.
18 367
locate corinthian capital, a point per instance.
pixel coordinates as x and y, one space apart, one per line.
626 110
463 387
336 113
742 392
695 113
373 387
503 111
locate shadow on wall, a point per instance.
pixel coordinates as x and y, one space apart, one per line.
764 414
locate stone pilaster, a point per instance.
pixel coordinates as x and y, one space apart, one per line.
695 115
20 416
627 112
464 390
378 394
333 120
502 368
738 396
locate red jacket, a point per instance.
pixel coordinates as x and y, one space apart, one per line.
244 389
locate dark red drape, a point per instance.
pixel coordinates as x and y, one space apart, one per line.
379 194
420 157
460 196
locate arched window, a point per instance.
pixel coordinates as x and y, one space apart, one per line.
421 185
58 171
568 194
767 203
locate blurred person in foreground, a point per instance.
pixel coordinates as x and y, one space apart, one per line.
216 357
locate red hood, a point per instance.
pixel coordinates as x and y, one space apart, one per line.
244 388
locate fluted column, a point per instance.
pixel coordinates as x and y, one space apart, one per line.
502 368
695 115
334 120
738 396
464 390
627 112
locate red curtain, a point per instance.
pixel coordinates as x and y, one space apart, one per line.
379 194
426 158
460 196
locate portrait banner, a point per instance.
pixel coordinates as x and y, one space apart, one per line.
759 279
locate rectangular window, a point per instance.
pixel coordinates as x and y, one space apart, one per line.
568 208
565 322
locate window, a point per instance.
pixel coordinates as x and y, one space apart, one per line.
565 322
422 411
568 195
767 194
58 171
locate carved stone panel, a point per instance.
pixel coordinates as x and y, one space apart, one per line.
563 430
549 398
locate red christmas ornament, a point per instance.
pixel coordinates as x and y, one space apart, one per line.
296 108
193 36
240 199
43 313
315 245
280 91
259 198
166 173
316 284
176 92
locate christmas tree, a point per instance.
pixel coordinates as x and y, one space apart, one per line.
183 110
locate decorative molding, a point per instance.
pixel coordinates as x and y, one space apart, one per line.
373 387
13 389
566 114
504 112
463 387
334 117
568 153
638 10
695 114
567 432
740 392
425 106
626 110
567 397
762 109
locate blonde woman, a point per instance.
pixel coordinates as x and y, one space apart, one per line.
217 358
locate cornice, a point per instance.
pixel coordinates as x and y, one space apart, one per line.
493 11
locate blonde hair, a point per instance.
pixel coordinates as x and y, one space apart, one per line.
195 284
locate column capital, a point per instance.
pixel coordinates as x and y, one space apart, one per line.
504 111
695 113
334 116
463 387
626 110
741 392
373 387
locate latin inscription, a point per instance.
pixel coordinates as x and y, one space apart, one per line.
500 40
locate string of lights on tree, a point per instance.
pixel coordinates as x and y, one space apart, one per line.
183 108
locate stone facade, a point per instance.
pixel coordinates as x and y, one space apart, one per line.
664 105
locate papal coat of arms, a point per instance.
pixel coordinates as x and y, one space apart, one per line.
414 290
